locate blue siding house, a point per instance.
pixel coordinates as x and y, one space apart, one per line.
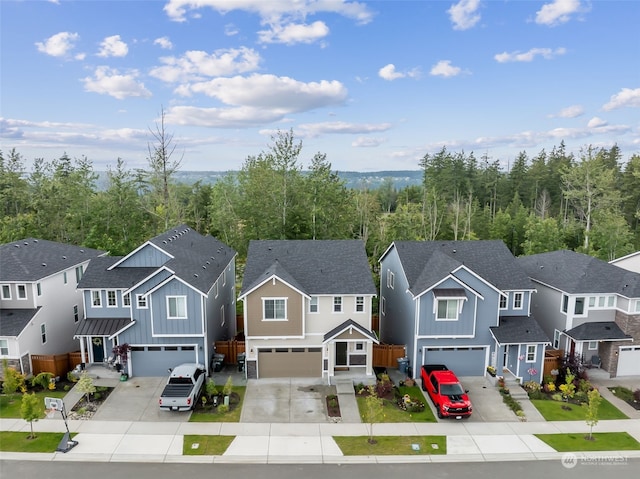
460 303
170 300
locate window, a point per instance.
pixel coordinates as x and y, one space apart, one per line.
215 290
579 307
565 303
611 301
39 289
176 307
126 299
313 304
531 353
447 310
43 333
64 277
223 320
224 277
517 300
22 291
556 339
359 304
390 279
141 301
359 346
503 302
6 291
275 309
637 305
96 300
112 301
76 313
78 273
4 347
593 345
383 304
337 304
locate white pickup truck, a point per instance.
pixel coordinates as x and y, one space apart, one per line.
183 387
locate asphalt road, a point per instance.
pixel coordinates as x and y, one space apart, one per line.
591 469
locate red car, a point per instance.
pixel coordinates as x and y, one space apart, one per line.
446 392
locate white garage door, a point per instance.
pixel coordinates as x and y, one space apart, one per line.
629 361
470 361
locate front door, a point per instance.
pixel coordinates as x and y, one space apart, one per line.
341 354
505 359
98 349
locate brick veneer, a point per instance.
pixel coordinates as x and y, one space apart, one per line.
629 324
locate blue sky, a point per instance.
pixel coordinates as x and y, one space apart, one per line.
373 85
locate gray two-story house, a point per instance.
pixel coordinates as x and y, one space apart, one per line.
169 300
464 304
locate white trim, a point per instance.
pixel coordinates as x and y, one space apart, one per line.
526 353
115 298
317 298
272 277
333 305
26 295
2 289
355 305
515 295
274 298
590 343
182 297
93 298
118 263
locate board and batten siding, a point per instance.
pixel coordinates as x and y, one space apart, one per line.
191 325
147 256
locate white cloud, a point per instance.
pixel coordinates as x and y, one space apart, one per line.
444 69
596 122
58 45
113 46
464 14
557 12
311 130
107 81
164 43
367 142
197 65
389 73
546 53
294 33
220 117
230 30
625 97
572 111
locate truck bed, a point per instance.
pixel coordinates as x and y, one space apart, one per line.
177 390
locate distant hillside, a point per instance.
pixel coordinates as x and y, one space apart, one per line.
353 179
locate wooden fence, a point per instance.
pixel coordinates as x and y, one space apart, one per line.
230 349
552 359
386 355
57 364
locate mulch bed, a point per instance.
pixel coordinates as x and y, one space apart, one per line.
84 409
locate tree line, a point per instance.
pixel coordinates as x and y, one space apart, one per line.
554 200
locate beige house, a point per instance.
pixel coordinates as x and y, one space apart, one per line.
307 309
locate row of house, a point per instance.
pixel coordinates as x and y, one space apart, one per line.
308 305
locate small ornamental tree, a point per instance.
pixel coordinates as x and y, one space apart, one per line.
228 387
568 389
122 353
30 410
592 406
13 380
372 410
210 388
85 385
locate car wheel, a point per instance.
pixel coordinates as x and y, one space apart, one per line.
439 412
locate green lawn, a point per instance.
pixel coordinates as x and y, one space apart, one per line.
18 442
393 413
211 415
10 404
602 441
553 410
198 445
391 445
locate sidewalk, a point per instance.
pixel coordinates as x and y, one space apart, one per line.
264 443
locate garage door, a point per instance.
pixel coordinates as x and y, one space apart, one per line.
462 361
156 360
290 362
629 361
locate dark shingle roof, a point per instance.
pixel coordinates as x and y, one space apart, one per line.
597 331
101 326
33 259
98 274
349 323
13 321
518 330
577 273
427 262
314 266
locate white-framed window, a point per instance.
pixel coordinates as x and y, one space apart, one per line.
224 277
96 299
274 309
565 303
215 290
556 339
43 333
4 347
176 307
337 304
532 349
517 300
126 299
22 291
141 301
383 305
79 273
602 302
592 346
76 313
503 302
390 279
579 308
112 299
223 320
6 291
359 346
611 301
637 306
313 304
39 289
64 277
447 309
359 304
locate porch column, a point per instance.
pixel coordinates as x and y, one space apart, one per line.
82 349
369 370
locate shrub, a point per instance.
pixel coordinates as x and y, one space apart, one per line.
228 387
384 386
537 394
43 380
13 380
584 386
511 403
557 397
223 408
332 400
71 377
531 386
580 396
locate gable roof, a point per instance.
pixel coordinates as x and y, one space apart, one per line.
315 267
577 273
98 274
349 324
34 259
427 262
13 321
598 331
518 330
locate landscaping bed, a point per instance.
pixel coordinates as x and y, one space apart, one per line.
213 410
632 398
85 408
